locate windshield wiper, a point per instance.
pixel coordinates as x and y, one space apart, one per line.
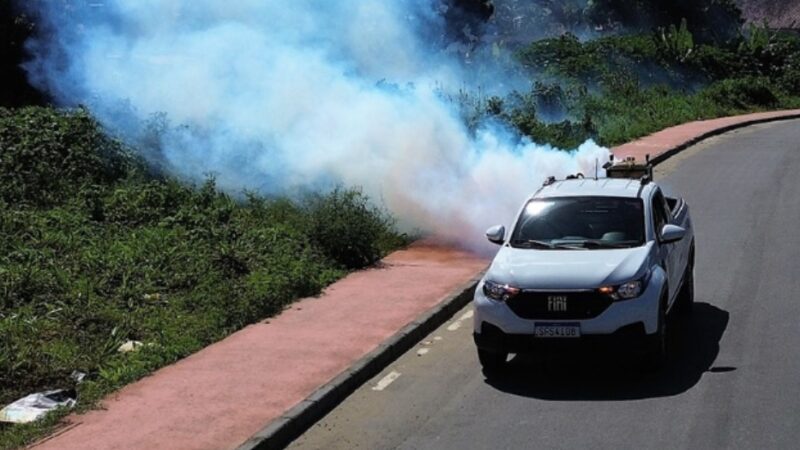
593 243
532 243
570 246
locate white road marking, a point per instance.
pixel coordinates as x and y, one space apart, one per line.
386 381
422 351
457 324
437 338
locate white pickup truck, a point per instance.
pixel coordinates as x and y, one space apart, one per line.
589 262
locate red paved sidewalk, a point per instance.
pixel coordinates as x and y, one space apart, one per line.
225 393
219 397
669 138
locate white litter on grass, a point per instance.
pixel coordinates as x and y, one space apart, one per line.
78 376
35 406
386 381
129 346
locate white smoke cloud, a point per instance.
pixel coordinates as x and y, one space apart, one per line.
277 96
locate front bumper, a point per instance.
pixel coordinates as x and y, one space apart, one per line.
630 338
629 324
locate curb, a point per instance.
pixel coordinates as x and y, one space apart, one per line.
672 151
283 430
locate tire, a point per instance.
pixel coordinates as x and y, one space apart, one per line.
686 294
656 356
492 362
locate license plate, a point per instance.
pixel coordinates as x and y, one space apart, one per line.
557 330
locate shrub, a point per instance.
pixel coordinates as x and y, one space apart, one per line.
790 79
347 228
47 156
742 93
562 56
675 43
717 62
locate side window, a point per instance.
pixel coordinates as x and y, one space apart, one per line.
665 206
660 214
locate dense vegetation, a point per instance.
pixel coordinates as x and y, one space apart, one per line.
95 251
617 88
515 22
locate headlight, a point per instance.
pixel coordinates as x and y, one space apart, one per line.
630 289
499 292
627 291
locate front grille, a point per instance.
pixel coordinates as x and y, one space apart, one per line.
550 305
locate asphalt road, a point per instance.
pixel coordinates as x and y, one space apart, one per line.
733 380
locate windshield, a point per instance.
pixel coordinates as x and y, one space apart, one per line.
580 223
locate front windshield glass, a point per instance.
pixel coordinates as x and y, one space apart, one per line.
580 223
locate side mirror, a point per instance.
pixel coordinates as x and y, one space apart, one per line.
672 233
496 234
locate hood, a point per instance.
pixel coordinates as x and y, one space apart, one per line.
568 269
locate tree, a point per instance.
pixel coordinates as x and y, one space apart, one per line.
710 21
715 21
465 19
15 28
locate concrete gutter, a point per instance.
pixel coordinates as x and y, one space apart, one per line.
294 422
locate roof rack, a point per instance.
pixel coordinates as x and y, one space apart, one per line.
551 179
629 168
626 168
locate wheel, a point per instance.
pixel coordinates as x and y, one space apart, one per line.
685 300
686 295
656 355
492 361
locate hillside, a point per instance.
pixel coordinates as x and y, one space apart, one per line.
96 251
778 13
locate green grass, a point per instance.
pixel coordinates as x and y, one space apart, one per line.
95 251
619 88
